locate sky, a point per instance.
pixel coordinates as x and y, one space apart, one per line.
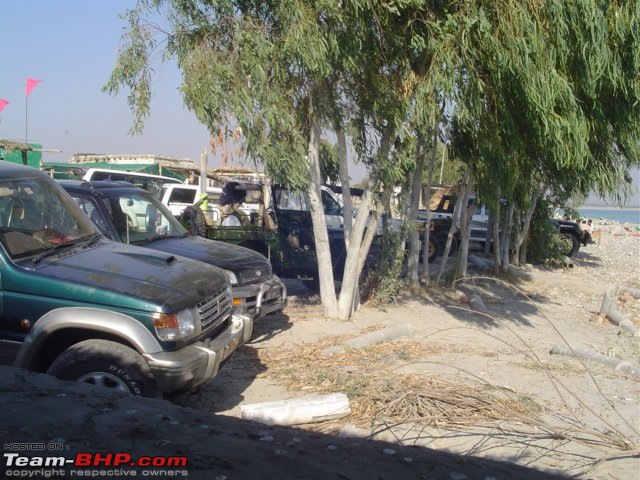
71 47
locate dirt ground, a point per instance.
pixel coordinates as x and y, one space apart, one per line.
479 389
506 397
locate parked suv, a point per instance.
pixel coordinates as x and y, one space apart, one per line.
81 307
128 214
479 218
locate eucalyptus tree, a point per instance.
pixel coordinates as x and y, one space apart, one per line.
278 69
549 90
551 83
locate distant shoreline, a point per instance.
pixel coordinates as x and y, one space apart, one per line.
622 215
590 207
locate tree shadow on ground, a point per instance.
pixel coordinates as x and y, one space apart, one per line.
269 326
586 259
500 300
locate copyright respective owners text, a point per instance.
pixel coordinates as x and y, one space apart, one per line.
55 459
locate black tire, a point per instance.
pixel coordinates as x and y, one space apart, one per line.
573 245
433 250
108 364
442 242
194 221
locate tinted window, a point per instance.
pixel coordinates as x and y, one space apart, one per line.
331 207
287 200
90 208
183 195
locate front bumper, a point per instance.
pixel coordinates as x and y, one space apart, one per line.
260 299
199 362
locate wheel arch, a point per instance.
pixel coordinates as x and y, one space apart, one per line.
61 328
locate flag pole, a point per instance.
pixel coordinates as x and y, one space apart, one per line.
26 118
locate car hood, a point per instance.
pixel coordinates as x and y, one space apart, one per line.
123 270
224 255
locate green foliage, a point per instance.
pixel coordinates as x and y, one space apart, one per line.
384 283
329 162
545 245
532 93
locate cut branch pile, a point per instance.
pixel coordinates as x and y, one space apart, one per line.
441 403
374 390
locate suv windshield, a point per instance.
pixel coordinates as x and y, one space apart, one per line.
35 214
140 217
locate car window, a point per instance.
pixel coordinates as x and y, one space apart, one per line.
35 214
183 195
89 207
139 217
288 200
331 207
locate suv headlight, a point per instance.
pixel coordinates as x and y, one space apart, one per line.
172 327
233 280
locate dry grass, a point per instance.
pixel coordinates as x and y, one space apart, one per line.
377 393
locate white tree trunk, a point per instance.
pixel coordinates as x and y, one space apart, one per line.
427 201
466 211
521 241
506 237
413 259
358 248
346 183
321 236
447 248
496 236
347 211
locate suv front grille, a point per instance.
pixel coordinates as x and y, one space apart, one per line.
255 275
215 309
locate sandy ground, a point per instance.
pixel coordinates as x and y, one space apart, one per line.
551 413
585 415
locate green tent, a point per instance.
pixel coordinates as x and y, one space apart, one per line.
22 153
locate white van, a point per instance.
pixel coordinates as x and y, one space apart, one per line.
149 182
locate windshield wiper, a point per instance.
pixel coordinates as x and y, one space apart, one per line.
158 236
87 239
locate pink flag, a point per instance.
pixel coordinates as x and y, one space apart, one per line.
3 103
31 84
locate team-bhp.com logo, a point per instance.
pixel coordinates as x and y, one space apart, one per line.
124 464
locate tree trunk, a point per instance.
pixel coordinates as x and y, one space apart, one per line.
506 237
427 200
452 231
347 206
497 216
488 237
347 213
522 239
516 231
466 211
321 236
358 248
414 237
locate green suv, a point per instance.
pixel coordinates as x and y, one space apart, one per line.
81 307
